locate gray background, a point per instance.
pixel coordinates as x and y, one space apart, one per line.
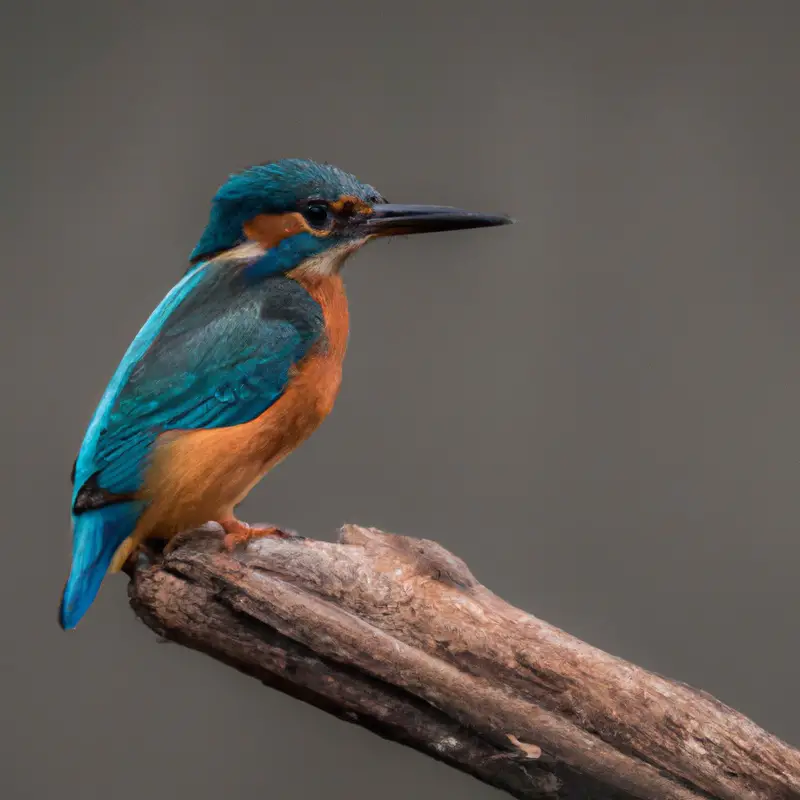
596 408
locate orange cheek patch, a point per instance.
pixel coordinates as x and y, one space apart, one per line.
271 229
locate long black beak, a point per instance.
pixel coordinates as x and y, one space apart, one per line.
390 219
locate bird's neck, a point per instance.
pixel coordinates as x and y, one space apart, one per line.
329 292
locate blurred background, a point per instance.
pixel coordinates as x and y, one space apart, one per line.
596 408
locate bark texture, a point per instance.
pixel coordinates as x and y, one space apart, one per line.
395 634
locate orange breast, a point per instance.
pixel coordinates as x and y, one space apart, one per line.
197 476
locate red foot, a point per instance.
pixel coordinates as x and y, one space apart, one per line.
237 532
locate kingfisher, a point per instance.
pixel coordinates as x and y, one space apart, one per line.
236 367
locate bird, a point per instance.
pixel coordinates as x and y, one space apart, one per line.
237 366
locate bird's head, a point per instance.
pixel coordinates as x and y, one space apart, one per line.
314 215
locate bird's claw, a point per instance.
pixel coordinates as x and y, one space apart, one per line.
238 533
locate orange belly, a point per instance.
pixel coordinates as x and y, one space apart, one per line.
198 476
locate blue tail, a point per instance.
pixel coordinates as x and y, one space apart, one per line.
95 538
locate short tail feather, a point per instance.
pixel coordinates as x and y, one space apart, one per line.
96 536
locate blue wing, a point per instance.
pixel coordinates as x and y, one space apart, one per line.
220 355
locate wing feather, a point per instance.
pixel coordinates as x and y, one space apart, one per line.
221 356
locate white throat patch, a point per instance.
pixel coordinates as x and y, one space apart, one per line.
329 262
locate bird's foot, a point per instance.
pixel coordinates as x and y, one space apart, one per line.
237 532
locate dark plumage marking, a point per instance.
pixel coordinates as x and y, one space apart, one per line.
93 496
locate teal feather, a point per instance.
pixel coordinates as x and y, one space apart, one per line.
96 537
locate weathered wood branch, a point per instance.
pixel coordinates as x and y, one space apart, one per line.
396 635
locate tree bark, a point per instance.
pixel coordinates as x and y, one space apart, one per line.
395 634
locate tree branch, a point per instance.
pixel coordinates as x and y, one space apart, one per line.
395 634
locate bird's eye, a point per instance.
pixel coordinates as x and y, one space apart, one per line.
318 215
